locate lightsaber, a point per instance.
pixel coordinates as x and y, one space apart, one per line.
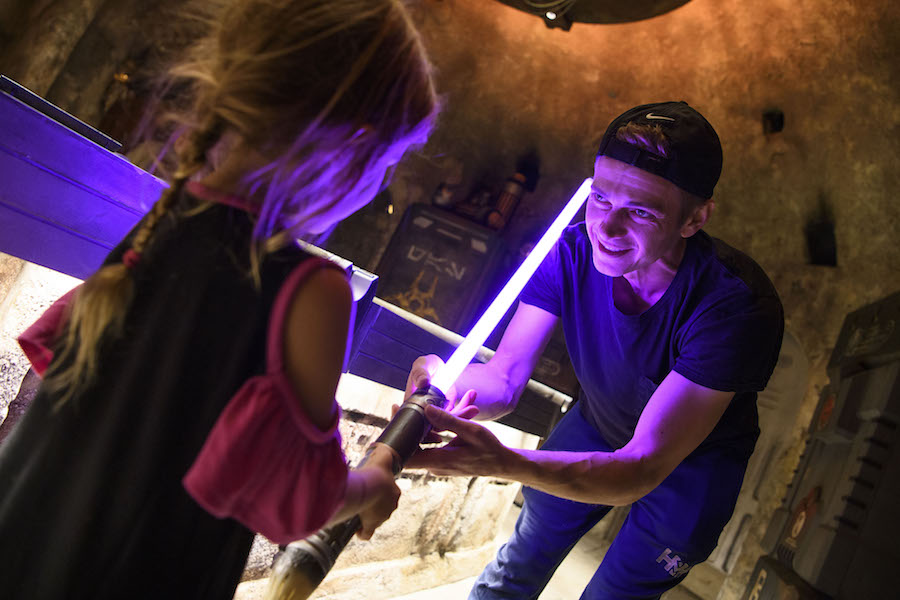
301 566
448 373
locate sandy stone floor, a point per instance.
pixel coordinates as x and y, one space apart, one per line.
568 581
566 584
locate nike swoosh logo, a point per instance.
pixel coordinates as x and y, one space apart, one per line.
652 116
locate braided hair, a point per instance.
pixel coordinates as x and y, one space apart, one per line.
101 303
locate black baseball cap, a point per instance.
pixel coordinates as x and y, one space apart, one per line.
695 154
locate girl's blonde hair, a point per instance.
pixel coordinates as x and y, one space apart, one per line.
326 91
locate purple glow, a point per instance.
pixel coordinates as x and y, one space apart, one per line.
449 372
65 201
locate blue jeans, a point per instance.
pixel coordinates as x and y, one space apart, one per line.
669 530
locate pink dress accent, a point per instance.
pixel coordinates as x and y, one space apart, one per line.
36 341
264 463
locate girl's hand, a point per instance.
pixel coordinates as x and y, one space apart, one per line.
381 494
474 450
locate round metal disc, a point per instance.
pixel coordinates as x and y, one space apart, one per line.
600 11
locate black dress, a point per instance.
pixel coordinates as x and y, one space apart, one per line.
91 501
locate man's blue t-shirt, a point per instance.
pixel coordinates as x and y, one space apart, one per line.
719 324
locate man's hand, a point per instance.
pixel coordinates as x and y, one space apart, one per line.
423 369
420 375
474 450
501 380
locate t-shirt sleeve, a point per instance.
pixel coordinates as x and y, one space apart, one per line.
733 345
544 289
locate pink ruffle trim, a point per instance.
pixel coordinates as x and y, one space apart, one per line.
36 341
264 463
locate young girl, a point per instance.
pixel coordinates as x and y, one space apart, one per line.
189 395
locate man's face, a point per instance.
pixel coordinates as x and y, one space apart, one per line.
634 218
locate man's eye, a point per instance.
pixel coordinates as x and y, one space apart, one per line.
643 214
598 199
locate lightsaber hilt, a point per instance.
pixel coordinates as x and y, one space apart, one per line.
409 426
306 563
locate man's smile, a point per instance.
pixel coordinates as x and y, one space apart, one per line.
611 251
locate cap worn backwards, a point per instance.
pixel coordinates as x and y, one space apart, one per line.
694 160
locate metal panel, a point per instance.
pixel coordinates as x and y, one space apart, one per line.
65 200
870 336
838 524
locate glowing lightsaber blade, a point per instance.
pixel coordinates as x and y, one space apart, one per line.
451 370
302 565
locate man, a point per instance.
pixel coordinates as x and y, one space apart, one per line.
671 332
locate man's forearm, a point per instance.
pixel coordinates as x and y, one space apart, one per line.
611 478
496 395
501 380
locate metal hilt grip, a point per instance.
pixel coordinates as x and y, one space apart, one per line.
314 556
409 426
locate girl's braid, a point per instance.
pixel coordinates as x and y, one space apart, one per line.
193 159
98 311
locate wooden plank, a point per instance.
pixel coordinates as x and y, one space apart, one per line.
48 245
65 200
